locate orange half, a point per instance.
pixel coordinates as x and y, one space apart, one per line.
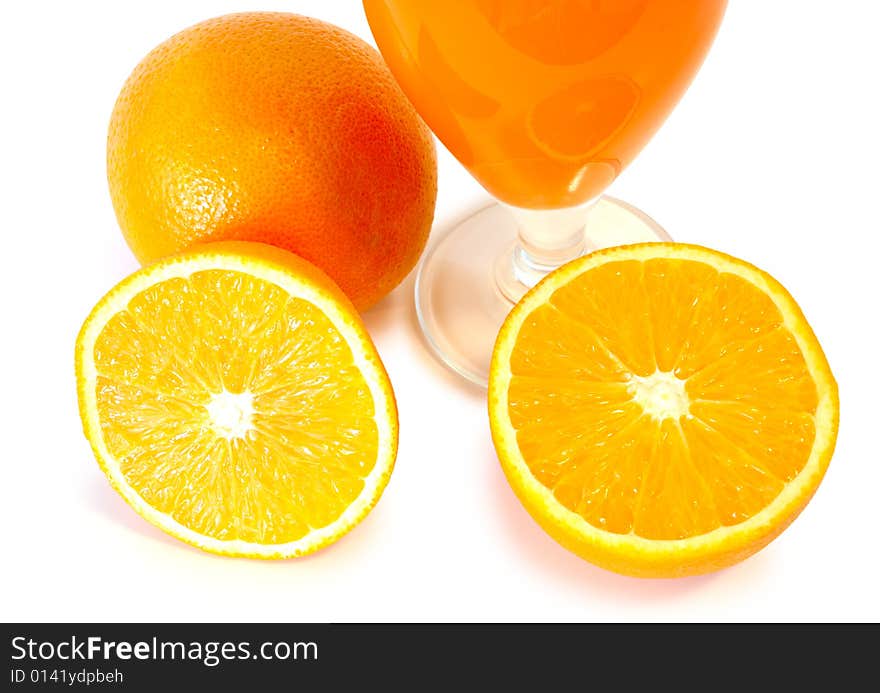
234 399
661 409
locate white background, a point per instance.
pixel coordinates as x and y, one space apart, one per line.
772 156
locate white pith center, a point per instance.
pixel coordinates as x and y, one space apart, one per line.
231 414
661 394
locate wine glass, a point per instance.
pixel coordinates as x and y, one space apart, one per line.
544 102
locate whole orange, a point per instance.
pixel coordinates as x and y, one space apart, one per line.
277 128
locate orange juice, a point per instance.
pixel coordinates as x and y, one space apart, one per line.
544 101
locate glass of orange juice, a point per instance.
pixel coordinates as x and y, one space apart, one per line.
545 102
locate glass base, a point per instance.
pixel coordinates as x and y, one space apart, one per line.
465 285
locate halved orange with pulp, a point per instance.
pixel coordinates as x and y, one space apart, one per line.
661 409
233 397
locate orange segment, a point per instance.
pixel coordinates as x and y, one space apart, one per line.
233 397
586 300
661 409
675 501
741 487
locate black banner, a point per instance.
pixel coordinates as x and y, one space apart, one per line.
174 657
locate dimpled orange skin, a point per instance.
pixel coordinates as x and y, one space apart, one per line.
277 128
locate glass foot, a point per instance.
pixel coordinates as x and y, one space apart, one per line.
463 291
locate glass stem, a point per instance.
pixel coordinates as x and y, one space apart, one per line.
547 239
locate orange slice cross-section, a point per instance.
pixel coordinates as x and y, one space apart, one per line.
233 398
661 409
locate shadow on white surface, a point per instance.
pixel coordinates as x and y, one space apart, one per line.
540 550
381 319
